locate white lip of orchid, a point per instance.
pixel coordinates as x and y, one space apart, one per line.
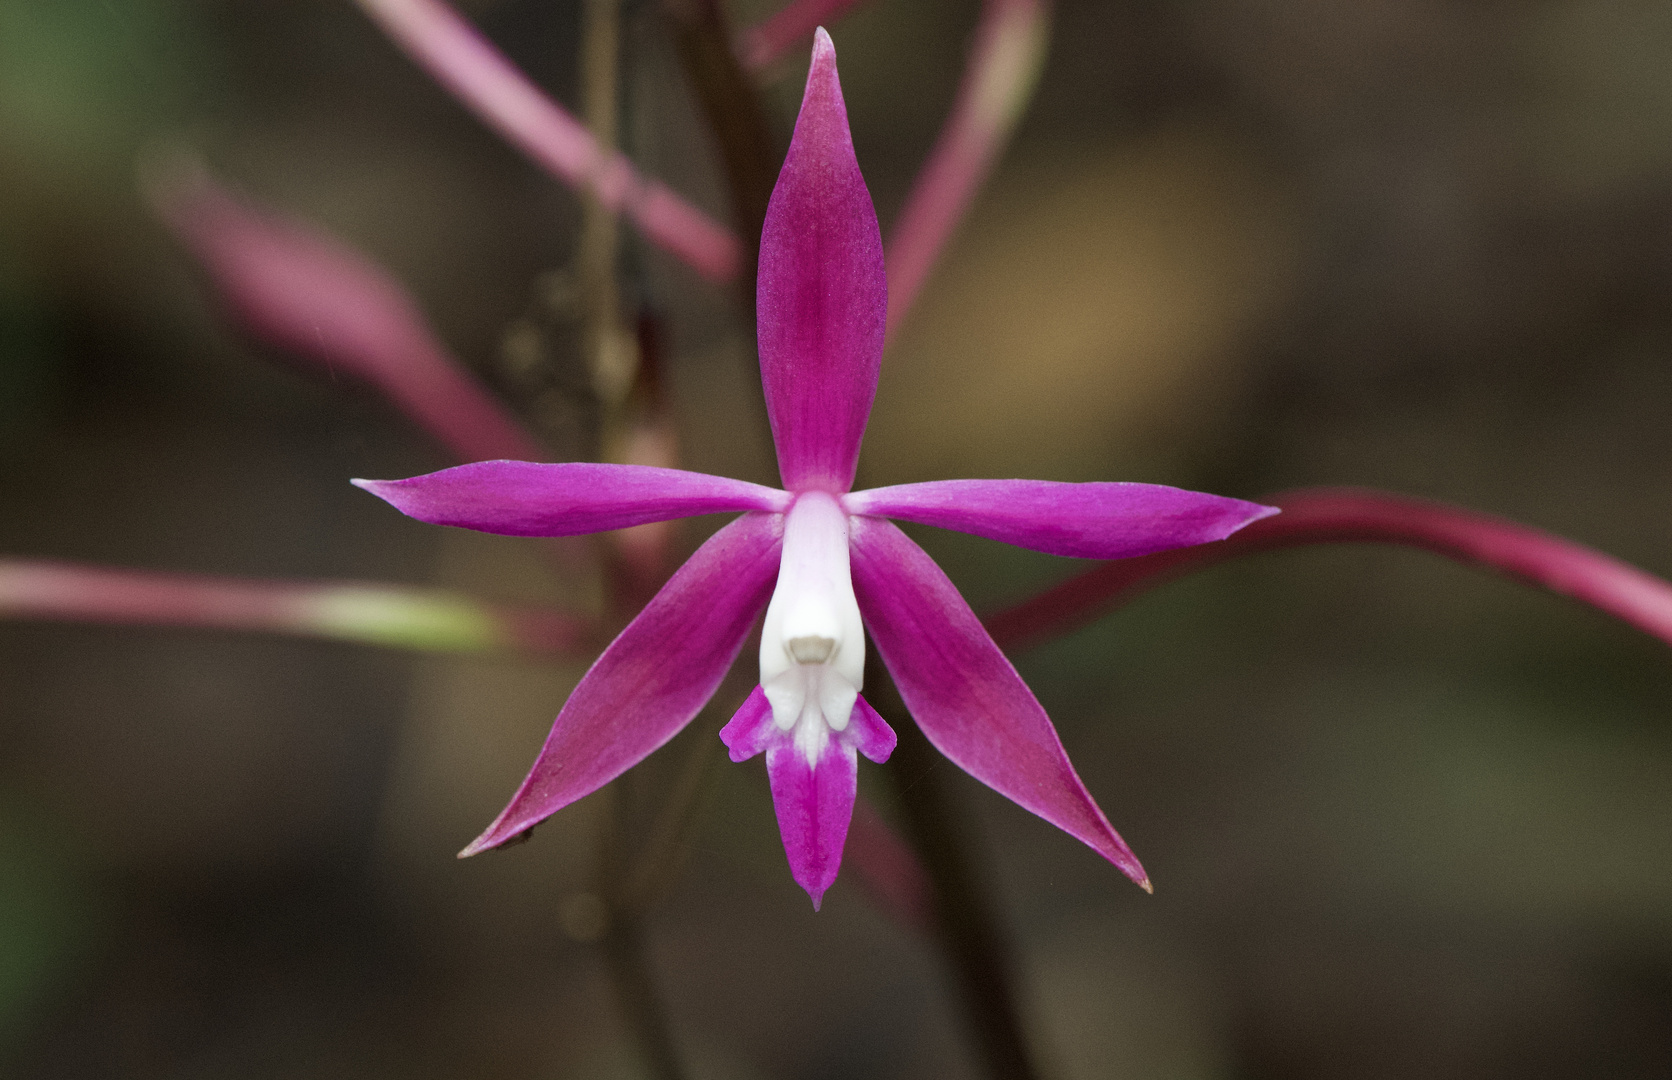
813 643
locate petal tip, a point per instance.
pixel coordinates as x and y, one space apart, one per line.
1146 886
498 836
1247 513
817 897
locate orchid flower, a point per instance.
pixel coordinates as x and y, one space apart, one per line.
820 558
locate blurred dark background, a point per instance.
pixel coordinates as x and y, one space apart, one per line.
1404 819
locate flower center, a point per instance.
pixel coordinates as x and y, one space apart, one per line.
813 644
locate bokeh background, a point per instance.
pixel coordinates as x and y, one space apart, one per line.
1404 819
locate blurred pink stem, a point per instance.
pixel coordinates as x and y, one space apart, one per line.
763 44
317 297
459 58
1353 515
888 869
1004 65
422 619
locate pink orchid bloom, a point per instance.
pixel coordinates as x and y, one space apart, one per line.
819 558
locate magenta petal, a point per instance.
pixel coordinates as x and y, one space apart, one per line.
815 804
814 800
964 694
1091 521
654 677
821 298
523 498
869 732
750 729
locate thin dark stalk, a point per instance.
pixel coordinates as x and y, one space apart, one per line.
748 152
733 109
966 926
623 945
613 366
663 852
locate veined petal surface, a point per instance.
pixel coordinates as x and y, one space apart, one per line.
821 296
525 498
964 694
750 730
654 677
1090 521
814 781
814 803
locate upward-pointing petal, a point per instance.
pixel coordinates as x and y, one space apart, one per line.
821 298
652 679
964 694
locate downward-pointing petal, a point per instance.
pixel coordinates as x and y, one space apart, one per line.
652 679
522 498
814 801
1092 521
822 298
964 694
814 776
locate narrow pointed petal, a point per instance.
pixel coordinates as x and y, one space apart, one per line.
523 498
869 732
822 297
750 730
815 804
964 694
1090 521
653 678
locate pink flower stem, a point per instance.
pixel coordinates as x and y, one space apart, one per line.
321 300
888 869
368 614
316 297
451 50
1004 66
769 41
1355 515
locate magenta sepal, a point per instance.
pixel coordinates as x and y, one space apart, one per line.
524 498
822 296
813 797
964 694
653 678
1090 521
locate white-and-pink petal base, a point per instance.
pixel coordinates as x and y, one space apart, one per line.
807 714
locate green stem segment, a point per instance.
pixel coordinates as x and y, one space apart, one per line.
428 620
